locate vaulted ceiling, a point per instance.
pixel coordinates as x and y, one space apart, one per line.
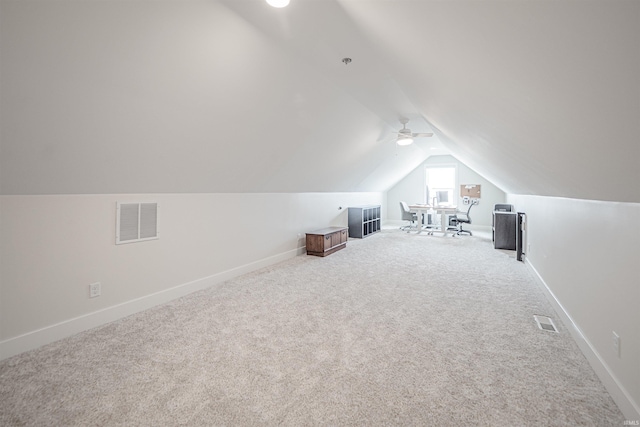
131 96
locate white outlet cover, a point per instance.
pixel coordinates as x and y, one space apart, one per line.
94 290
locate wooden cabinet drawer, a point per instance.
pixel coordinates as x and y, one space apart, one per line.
329 241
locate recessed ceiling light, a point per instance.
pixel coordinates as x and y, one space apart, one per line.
278 3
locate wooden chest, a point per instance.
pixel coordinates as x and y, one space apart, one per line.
326 241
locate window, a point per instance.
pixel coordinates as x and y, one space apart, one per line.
441 181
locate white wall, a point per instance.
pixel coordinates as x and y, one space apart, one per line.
411 189
166 104
586 253
53 247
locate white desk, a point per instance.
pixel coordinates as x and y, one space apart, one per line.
420 210
442 210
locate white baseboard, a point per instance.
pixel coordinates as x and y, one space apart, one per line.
630 409
48 334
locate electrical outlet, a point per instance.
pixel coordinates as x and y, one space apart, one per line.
616 343
94 290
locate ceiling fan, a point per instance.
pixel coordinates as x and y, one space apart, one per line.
405 136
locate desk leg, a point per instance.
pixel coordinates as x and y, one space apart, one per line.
420 220
429 228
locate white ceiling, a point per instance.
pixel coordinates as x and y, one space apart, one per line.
131 96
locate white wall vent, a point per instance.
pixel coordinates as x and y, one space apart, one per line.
136 222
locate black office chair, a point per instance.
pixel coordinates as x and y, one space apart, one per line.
407 215
462 218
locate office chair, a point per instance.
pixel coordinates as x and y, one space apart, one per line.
407 215
462 218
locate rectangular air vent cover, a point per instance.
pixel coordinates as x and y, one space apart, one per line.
545 323
136 222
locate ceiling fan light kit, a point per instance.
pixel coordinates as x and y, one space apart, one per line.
405 136
278 3
403 140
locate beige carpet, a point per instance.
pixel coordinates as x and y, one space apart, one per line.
396 329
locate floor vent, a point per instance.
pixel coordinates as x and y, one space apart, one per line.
545 323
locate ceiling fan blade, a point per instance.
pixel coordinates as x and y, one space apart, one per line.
422 135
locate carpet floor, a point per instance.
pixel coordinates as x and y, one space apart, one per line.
396 329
